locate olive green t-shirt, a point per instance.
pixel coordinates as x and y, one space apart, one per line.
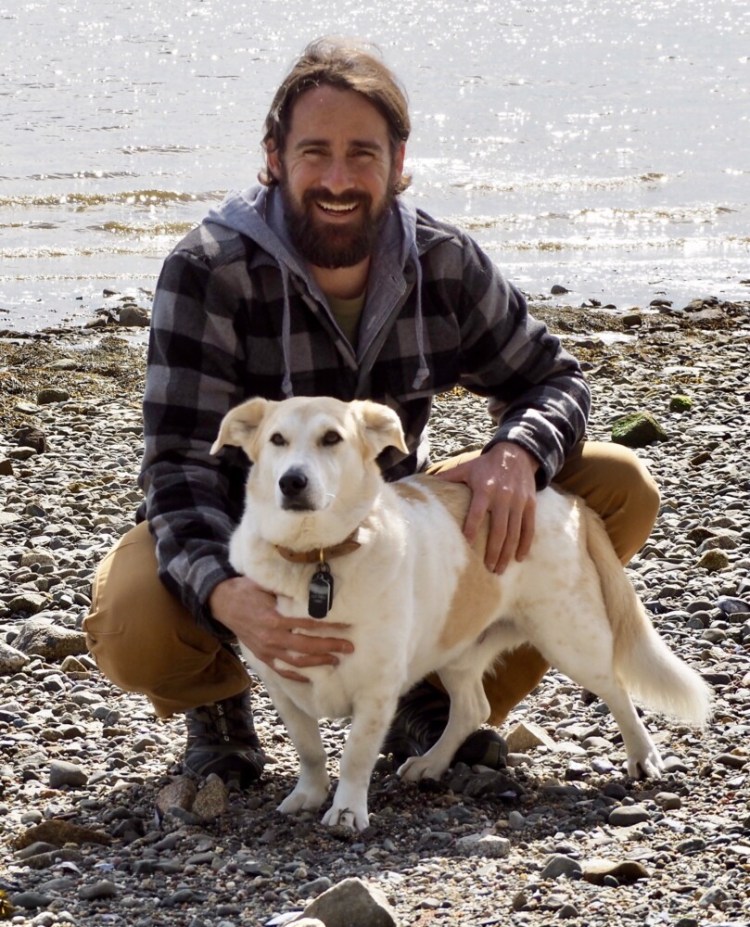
347 313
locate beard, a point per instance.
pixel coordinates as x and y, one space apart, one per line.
328 245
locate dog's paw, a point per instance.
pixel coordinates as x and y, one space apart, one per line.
349 818
420 767
647 766
303 799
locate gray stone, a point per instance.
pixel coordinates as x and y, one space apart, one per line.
628 815
36 557
560 865
27 603
62 773
31 436
30 900
104 888
488 846
52 394
353 902
43 637
133 316
11 660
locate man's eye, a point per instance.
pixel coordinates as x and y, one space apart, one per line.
330 438
278 439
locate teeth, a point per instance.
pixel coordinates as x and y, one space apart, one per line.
337 207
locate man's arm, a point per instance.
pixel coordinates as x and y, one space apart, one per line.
537 395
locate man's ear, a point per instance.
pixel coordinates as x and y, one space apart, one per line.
380 427
240 424
273 161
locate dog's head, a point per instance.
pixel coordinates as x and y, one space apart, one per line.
313 457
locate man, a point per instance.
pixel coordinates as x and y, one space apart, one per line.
324 280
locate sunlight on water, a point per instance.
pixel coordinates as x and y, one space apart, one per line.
597 145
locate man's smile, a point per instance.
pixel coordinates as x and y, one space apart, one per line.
336 207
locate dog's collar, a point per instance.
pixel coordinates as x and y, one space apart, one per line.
321 554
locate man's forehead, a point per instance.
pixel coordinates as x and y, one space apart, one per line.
318 110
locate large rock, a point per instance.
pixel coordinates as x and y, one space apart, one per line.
352 902
42 637
638 429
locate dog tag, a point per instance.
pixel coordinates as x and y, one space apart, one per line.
321 592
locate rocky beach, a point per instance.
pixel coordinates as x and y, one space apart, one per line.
99 827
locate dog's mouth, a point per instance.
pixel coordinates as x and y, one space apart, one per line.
296 505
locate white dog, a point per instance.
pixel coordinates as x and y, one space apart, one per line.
325 534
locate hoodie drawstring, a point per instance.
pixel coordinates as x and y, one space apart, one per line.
286 335
423 371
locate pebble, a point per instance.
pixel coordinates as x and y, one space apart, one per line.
124 840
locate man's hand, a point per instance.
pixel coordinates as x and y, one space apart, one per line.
250 613
502 486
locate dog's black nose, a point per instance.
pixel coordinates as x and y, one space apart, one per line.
293 483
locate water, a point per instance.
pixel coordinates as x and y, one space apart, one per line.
595 144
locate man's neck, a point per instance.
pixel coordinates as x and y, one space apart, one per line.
342 282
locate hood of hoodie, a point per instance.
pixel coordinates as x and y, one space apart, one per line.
258 213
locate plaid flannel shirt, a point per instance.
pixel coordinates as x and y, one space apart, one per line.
233 318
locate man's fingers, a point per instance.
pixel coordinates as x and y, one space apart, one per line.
502 540
474 516
527 530
510 537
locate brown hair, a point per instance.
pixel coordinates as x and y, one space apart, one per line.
346 65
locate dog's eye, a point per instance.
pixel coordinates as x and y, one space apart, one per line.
278 439
330 438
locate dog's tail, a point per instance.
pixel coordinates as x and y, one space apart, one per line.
649 670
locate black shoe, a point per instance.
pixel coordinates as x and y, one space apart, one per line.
421 717
221 739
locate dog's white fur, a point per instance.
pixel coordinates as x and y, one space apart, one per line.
419 599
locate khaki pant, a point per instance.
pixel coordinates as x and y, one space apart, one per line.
144 641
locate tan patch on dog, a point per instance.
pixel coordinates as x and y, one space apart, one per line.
474 604
454 496
475 601
410 492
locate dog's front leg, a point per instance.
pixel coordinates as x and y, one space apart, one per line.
370 719
311 789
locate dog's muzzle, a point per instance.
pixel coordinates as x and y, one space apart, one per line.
294 485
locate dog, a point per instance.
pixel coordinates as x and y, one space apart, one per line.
330 538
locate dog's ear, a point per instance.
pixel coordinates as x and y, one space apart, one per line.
240 424
381 427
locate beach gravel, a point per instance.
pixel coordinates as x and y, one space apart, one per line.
99 827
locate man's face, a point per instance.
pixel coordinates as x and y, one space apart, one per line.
336 175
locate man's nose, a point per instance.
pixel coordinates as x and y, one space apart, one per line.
338 175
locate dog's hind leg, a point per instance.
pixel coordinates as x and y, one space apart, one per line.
371 717
468 709
311 789
468 703
586 657
643 759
